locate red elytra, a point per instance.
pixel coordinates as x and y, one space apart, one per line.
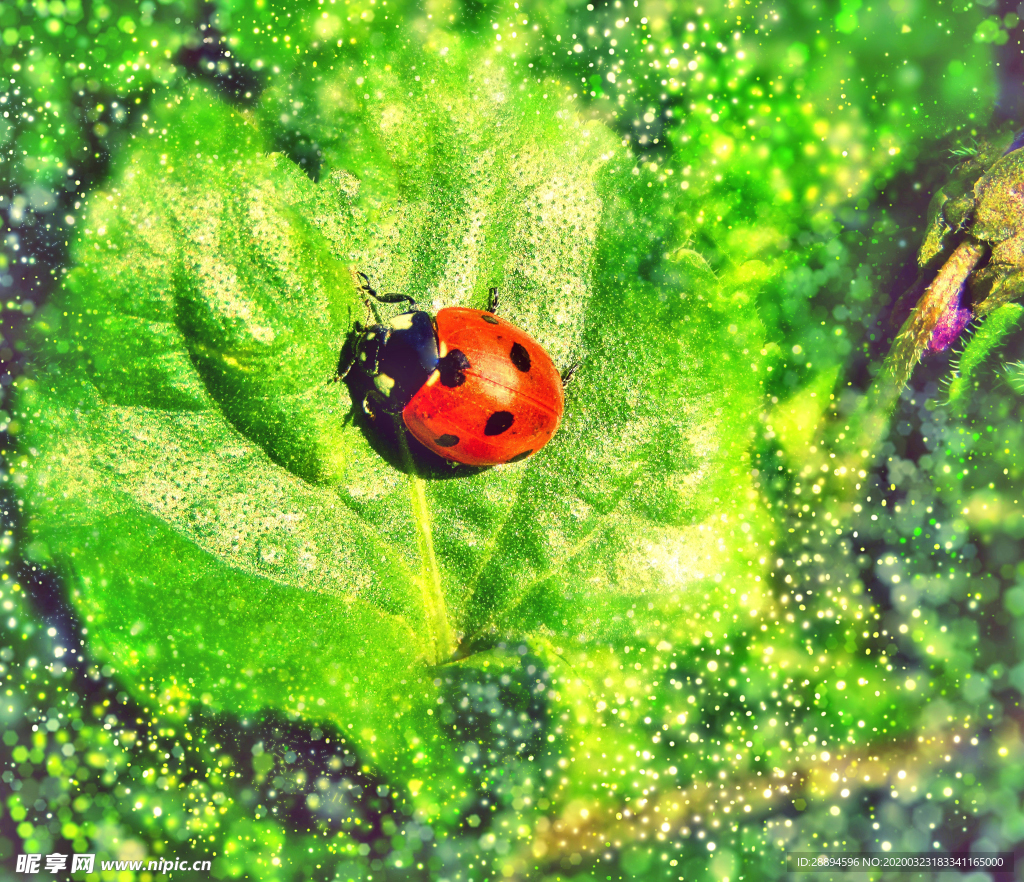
507 407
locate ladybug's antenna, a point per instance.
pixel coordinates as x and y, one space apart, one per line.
382 298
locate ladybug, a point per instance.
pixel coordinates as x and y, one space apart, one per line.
470 386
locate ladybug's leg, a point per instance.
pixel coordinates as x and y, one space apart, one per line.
492 301
370 401
569 374
345 364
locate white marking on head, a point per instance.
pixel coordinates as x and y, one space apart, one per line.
402 322
384 384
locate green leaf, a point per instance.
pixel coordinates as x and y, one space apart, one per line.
1015 376
234 535
987 338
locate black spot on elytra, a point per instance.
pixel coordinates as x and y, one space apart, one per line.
520 357
447 441
498 422
453 368
519 457
490 319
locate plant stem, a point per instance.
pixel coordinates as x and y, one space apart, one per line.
870 423
440 642
912 340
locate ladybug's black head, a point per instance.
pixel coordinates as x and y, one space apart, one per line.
397 358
